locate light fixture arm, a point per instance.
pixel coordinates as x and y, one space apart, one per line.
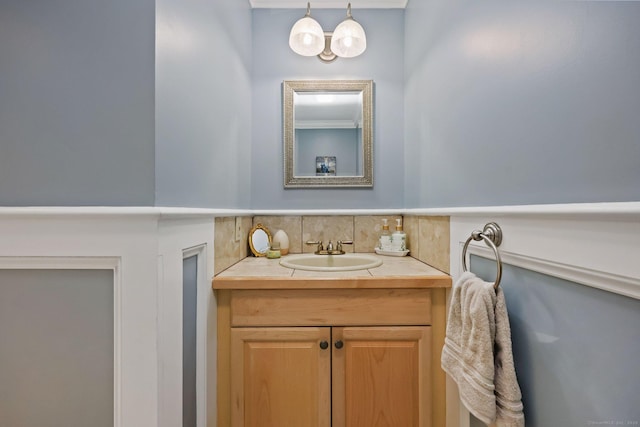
327 56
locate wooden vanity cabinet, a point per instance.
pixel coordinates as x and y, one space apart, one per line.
322 377
330 357
381 376
281 377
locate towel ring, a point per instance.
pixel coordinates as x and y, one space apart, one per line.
492 236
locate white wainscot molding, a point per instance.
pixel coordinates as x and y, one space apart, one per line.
598 249
180 239
145 251
600 252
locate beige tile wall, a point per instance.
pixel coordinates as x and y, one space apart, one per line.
292 225
368 229
325 229
427 237
363 230
228 251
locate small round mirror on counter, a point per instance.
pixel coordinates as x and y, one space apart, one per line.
259 240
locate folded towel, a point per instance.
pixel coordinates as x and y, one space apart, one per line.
477 353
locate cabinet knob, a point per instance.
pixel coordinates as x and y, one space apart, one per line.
339 344
324 345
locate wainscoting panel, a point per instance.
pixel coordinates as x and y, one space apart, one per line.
186 323
91 312
572 283
575 349
127 247
56 348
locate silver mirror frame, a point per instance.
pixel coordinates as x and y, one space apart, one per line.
289 87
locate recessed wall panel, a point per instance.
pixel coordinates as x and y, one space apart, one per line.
575 347
189 340
56 348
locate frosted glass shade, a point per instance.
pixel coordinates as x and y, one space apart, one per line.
306 37
348 39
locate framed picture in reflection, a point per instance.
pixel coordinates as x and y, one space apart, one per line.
325 165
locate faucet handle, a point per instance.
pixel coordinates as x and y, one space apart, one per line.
315 242
343 242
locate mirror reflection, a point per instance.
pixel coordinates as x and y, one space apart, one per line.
328 126
327 135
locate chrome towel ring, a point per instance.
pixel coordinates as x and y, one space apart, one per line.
492 236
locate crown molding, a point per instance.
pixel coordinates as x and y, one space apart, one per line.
327 124
328 4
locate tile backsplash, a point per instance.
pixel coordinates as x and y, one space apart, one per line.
432 240
427 236
325 229
363 230
228 251
292 225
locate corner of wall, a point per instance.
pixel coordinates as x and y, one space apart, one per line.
428 240
228 250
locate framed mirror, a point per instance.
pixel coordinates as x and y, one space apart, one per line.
259 240
328 133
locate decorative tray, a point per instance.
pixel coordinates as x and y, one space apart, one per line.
391 253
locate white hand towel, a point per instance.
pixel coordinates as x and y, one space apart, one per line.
477 353
509 409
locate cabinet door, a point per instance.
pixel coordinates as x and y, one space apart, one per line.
381 376
280 377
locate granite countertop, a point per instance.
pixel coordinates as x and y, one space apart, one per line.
395 272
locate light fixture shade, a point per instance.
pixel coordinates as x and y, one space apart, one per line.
306 37
348 39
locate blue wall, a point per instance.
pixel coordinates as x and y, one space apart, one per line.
537 102
203 103
521 103
341 143
575 349
90 116
76 102
274 61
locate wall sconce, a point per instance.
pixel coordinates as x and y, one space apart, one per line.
347 40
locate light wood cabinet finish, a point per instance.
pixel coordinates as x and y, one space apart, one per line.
272 371
284 377
280 377
381 376
315 307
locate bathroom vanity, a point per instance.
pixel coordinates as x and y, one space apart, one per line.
349 348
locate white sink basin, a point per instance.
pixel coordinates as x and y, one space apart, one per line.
346 262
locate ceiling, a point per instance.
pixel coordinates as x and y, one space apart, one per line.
328 4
